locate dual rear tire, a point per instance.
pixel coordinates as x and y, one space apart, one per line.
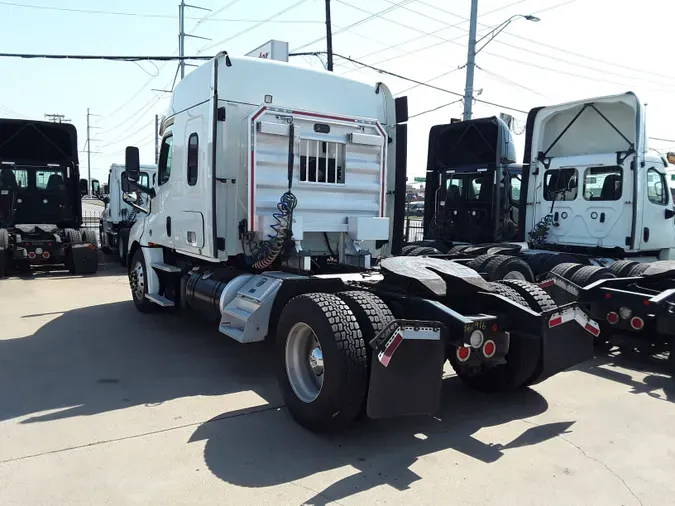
322 347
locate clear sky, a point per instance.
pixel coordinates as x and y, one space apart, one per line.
579 49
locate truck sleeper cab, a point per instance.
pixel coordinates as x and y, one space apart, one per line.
272 204
40 206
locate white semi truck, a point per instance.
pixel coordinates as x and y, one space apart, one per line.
118 216
590 208
277 192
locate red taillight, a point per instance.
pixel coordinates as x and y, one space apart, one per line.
31 255
27 244
495 327
463 353
637 323
49 244
612 318
646 302
608 295
46 255
489 349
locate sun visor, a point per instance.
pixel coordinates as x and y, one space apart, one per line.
608 124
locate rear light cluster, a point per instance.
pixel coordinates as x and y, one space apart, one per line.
488 349
625 313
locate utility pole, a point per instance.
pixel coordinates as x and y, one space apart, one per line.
88 144
182 34
470 61
329 38
57 118
88 155
156 139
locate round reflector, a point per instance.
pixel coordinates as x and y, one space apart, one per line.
489 349
463 353
637 323
612 318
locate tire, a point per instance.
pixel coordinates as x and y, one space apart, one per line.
72 236
89 236
590 274
538 262
561 258
479 262
509 293
621 268
566 270
507 267
523 361
407 249
638 270
138 283
455 250
536 298
4 263
338 400
105 248
423 250
372 316
122 246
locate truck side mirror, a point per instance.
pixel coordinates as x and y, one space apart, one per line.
95 187
83 187
132 165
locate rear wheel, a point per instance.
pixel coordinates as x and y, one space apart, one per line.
566 269
621 268
138 281
536 298
507 267
89 236
423 250
590 274
323 362
407 249
523 361
478 263
638 270
72 236
122 248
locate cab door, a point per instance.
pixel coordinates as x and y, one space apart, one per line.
160 221
658 226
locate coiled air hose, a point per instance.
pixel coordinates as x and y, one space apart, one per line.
273 246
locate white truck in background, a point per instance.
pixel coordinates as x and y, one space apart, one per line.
118 216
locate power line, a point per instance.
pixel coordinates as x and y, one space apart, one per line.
399 76
509 82
435 108
102 57
248 29
430 80
357 23
566 51
424 34
150 15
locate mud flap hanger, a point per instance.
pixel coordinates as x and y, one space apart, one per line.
546 161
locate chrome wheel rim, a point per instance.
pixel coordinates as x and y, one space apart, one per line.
304 362
137 281
515 275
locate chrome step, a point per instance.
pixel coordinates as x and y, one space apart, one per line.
165 267
159 299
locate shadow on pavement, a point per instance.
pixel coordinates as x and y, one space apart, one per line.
108 357
107 267
656 369
268 449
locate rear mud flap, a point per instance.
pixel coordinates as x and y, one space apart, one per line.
83 259
406 373
567 340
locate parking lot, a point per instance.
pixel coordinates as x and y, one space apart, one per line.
102 404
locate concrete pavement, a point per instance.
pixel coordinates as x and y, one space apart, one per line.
100 404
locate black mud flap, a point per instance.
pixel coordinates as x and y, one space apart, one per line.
567 340
407 370
82 259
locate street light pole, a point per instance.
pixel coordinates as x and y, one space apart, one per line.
329 38
470 61
472 51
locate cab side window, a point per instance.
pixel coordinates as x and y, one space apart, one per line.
193 159
656 187
165 158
